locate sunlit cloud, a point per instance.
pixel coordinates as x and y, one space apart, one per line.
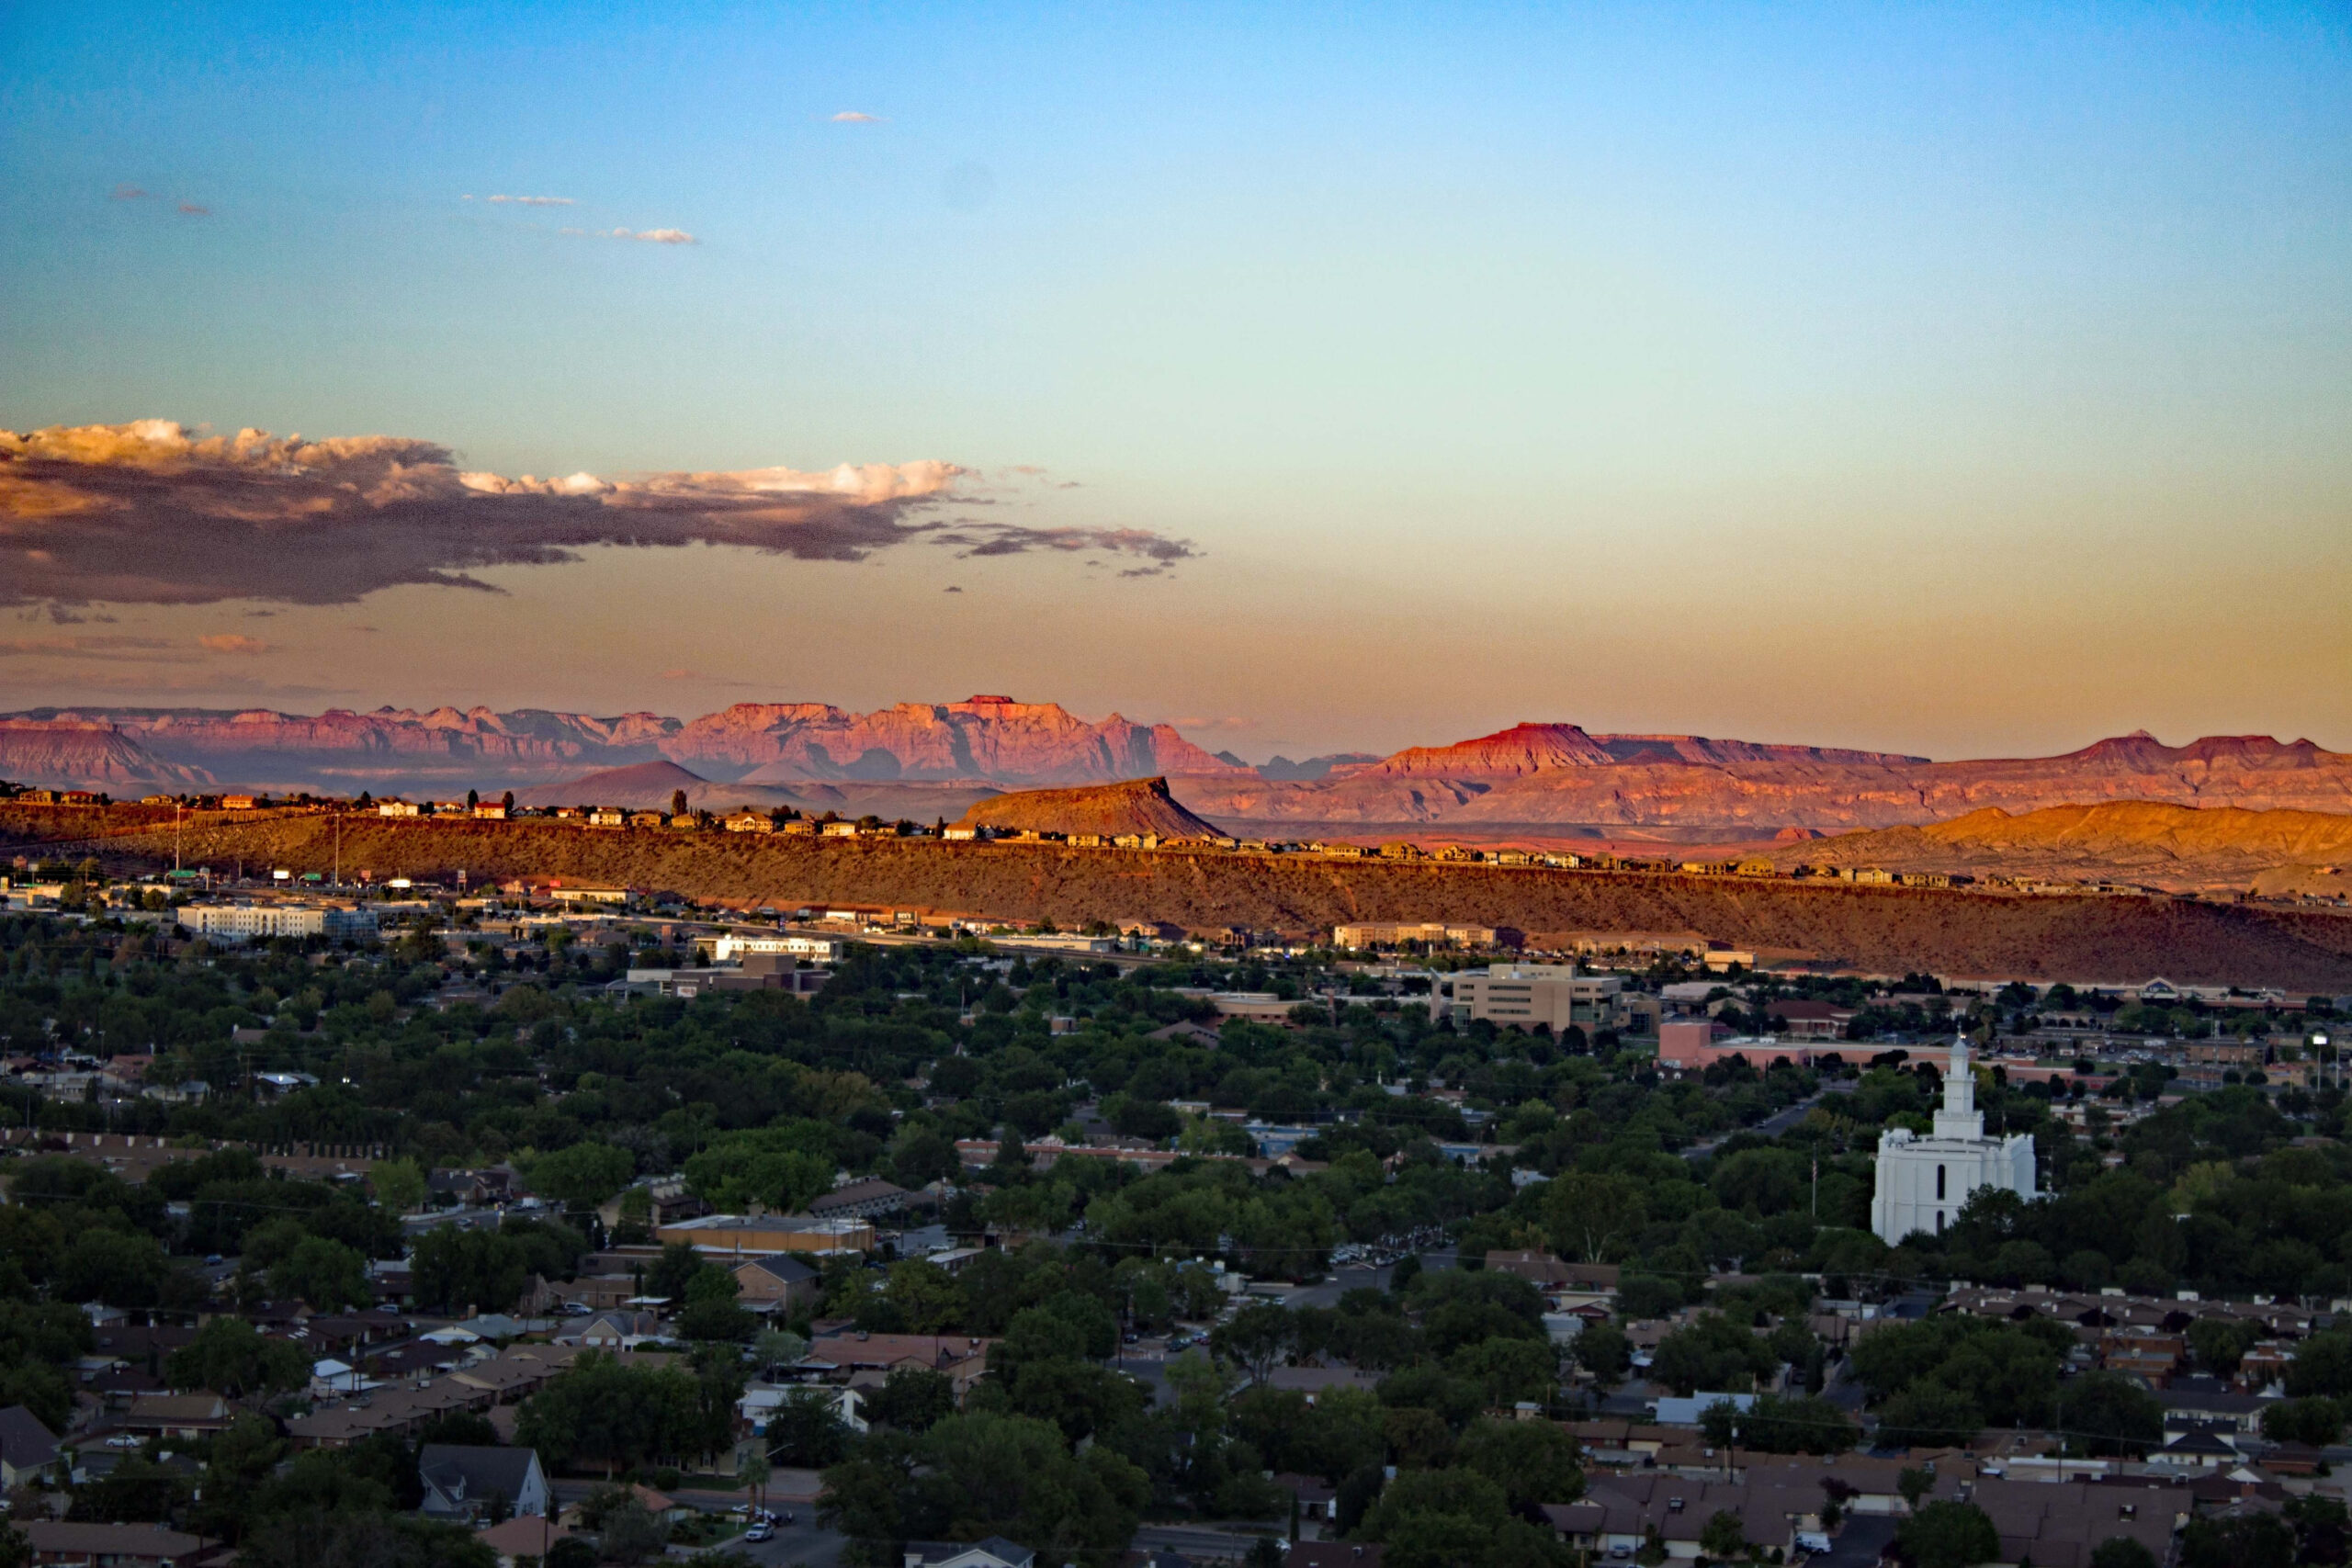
149 513
533 200
193 211
231 642
857 117
651 236
126 191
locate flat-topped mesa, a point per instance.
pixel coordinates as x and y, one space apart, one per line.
1130 806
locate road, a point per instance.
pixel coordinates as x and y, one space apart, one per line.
1195 1541
803 1543
1772 1126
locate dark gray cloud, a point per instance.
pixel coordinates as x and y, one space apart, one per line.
147 513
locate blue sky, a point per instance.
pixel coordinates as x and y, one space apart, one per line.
1716 368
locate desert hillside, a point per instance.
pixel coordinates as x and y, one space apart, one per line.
1883 930
1132 806
2150 843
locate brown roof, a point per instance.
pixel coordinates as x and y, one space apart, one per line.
128 1543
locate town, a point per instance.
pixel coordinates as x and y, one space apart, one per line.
564 1224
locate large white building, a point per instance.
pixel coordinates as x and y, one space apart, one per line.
245 922
1924 1183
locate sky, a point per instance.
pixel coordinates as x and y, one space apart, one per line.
1955 380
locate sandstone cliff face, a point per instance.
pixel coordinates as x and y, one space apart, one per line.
78 754
1135 805
1755 791
990 739
340 750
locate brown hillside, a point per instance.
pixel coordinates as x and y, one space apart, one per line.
2147 841
1135 805
1881 930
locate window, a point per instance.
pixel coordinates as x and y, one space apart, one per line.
1939 1181
1940 1217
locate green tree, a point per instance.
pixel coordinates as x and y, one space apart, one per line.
1949 1535
1254 1338
1602 1349
1724 1535
2245 1540
231 1356
1592 1217
2316 1421
2121 1552
400 1185
1533 1461
2108 1413
327 1274
582 1175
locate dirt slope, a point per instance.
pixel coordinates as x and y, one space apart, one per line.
1135 805
1884 930
2150 843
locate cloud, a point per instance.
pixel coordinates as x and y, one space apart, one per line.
651 236
533 200
1157 552
135 649
193 211
857 117
229 642
149 513
1223 723
128 192
951 588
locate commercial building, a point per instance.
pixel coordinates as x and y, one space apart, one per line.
618 897
1395 933
246 922
733 947
749 1236
1524 996
1923 1183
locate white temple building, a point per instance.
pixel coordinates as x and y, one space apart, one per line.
1923 1183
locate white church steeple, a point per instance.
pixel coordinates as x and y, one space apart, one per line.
1924 1183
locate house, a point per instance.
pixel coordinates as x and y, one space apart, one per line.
1333 1554
461 1479
617 1329
964 1359
524 1536
1805 1019
781 1280
25 1447
1538 1269
750 822
990 1551
861 1199
75 1545
185 1415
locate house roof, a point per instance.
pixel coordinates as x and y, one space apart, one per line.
466 1469
123 1542
24 1443
779 1266
524 1535
1334 1554
871 1189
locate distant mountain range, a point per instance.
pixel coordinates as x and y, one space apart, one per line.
922 759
